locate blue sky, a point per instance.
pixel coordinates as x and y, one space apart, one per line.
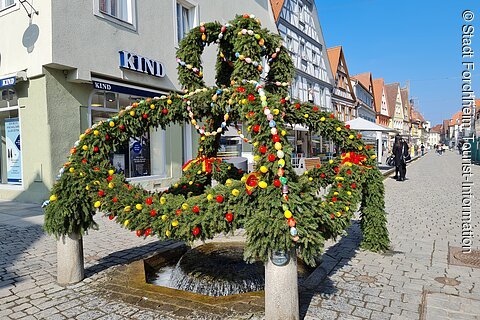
419 41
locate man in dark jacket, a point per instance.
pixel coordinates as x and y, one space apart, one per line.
400 151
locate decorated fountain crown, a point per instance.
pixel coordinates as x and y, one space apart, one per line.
278 209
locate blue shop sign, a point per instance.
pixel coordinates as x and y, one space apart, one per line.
138 63
8 82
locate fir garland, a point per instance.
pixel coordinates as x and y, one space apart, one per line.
277 208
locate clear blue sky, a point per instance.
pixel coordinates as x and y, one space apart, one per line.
419 41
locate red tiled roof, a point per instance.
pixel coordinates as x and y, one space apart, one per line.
417 116
334 59
364 79
377 93
277 6
438 128
456 118
391 90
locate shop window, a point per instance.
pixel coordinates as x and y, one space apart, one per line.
230 147
8 98
10 149
185 16
140 156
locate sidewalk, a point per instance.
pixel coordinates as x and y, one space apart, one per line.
415 280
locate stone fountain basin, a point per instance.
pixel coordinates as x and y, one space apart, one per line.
128 283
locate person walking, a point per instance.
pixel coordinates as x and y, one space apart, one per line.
400 150
422 148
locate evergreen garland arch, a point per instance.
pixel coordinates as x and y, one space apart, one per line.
278 209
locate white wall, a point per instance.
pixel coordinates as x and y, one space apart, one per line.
16 35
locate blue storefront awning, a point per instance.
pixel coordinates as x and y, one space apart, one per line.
112 86
8 82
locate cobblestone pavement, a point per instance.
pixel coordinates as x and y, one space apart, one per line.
424 215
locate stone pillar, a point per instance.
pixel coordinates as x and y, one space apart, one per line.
70 267
281 290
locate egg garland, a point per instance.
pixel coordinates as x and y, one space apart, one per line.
188 208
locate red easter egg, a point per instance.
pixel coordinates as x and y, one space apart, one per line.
277 183
262 149
291 222
271 157
153 213
276 138
195 209
196 231
149 200
219 198
229 217
256 128
164 111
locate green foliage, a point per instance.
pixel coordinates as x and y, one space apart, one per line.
278 209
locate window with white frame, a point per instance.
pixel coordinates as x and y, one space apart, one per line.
119 9
4 4
185 18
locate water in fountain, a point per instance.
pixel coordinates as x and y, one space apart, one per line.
217 269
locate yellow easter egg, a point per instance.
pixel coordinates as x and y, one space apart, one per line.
168 233
111 124
111 172
97 204
262 184
209 197
235 192
287 214
174 223
283 133
322 119
127 209
263 169
53 197
85 147
185 206
71 170
126 222
111 185
163 200
138 206
278 146
96 132
164 217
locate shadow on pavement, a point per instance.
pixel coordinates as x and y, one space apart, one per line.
334 259
15 244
